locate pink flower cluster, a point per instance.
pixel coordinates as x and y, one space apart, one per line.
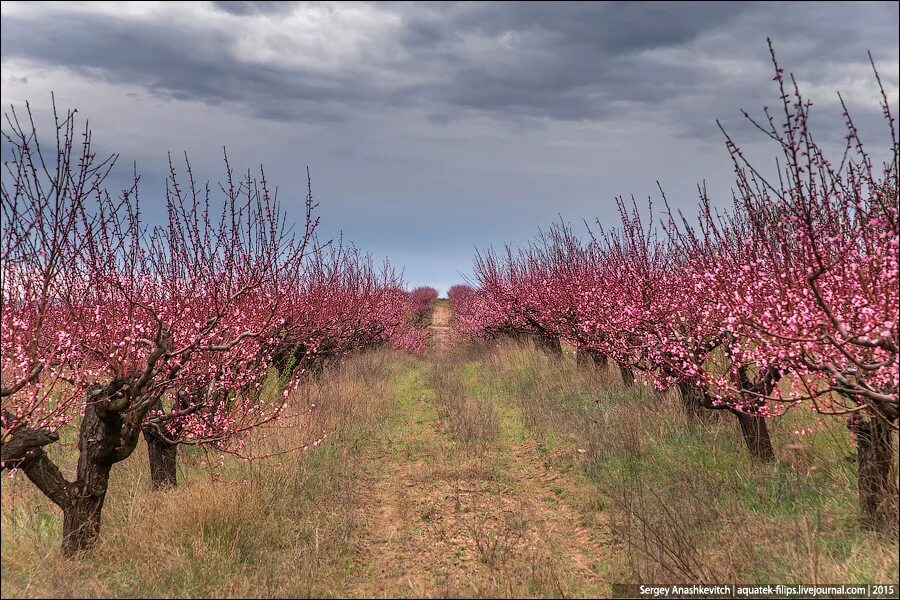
340 302
421 304
410 340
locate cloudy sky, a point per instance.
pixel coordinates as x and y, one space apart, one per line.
433 129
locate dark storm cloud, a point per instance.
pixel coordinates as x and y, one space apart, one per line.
569 61
174 60
254 8
598 27
579 61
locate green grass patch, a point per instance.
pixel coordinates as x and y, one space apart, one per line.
684 497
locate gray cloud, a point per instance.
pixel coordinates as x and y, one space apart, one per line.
257 7
579 61
183 62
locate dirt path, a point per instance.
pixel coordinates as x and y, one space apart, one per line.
439 329
444 521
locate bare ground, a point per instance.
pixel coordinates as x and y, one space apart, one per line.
439 329
443 521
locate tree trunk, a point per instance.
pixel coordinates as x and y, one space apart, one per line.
162 455
81 501
287 358
877 496
280 358
754 428
316 366
599 359
108 434
104 438
756 436
692 398
588 357
98 439
548 343
583 359
81 520
627 375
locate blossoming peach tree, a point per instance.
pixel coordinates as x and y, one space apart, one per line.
119 328
807 285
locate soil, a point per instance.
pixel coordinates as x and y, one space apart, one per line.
440 520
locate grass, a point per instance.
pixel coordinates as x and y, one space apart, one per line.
468 409
281 527
685 500
488 472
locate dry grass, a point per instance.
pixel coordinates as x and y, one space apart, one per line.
462 514
470 414
479 472
280 526
687 502
394 502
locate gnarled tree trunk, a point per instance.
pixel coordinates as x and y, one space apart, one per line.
753 427
163 460
877 492
693 400
162 453
583 359
548 343
756 436
99 447
587 357
627 375
81 519
600 360
107 435
287 358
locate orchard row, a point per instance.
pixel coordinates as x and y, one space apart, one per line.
789 298
122 329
